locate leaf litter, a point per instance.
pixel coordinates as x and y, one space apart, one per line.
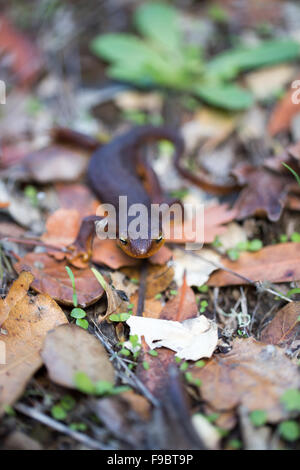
194 356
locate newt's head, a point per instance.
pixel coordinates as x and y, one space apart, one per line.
141 247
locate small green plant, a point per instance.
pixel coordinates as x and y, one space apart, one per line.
85 385
163 58
258 418
289 430
203 306
249 245
291 399
77 312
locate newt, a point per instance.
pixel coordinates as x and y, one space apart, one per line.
119 168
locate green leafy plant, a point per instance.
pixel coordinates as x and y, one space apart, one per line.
289 430
258 417
250 245
77 312
162 57
85 385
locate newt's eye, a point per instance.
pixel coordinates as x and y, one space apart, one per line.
123 241
159 239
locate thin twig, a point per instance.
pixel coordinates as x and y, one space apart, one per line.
258 284
137 383
142 288
60 427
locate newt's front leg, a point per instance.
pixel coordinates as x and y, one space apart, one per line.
81 248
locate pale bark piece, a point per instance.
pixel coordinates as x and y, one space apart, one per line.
70 349
252 374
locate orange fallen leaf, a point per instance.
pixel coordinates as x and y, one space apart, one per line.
77 196
69 349
52 278
16 292
28 322
158 278
215 218
274 263
25 58
62 227
283 114
252 374
284 328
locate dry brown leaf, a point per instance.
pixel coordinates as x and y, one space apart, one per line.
17 291
138 403
284 327
55 163
52 278
69 349
29 320
24 57
115 302
152 307
77 196
214 219
283 114
62 227
158 278
265 193
274 263
252 374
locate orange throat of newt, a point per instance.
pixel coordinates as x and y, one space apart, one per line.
141 248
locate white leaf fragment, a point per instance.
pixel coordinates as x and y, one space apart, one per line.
192 339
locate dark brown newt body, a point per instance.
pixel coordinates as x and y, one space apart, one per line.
115 170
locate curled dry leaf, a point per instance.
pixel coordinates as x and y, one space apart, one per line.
274 263
192 339
115 302
252 374
284 327
69 349
28 322
265 193
52 278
